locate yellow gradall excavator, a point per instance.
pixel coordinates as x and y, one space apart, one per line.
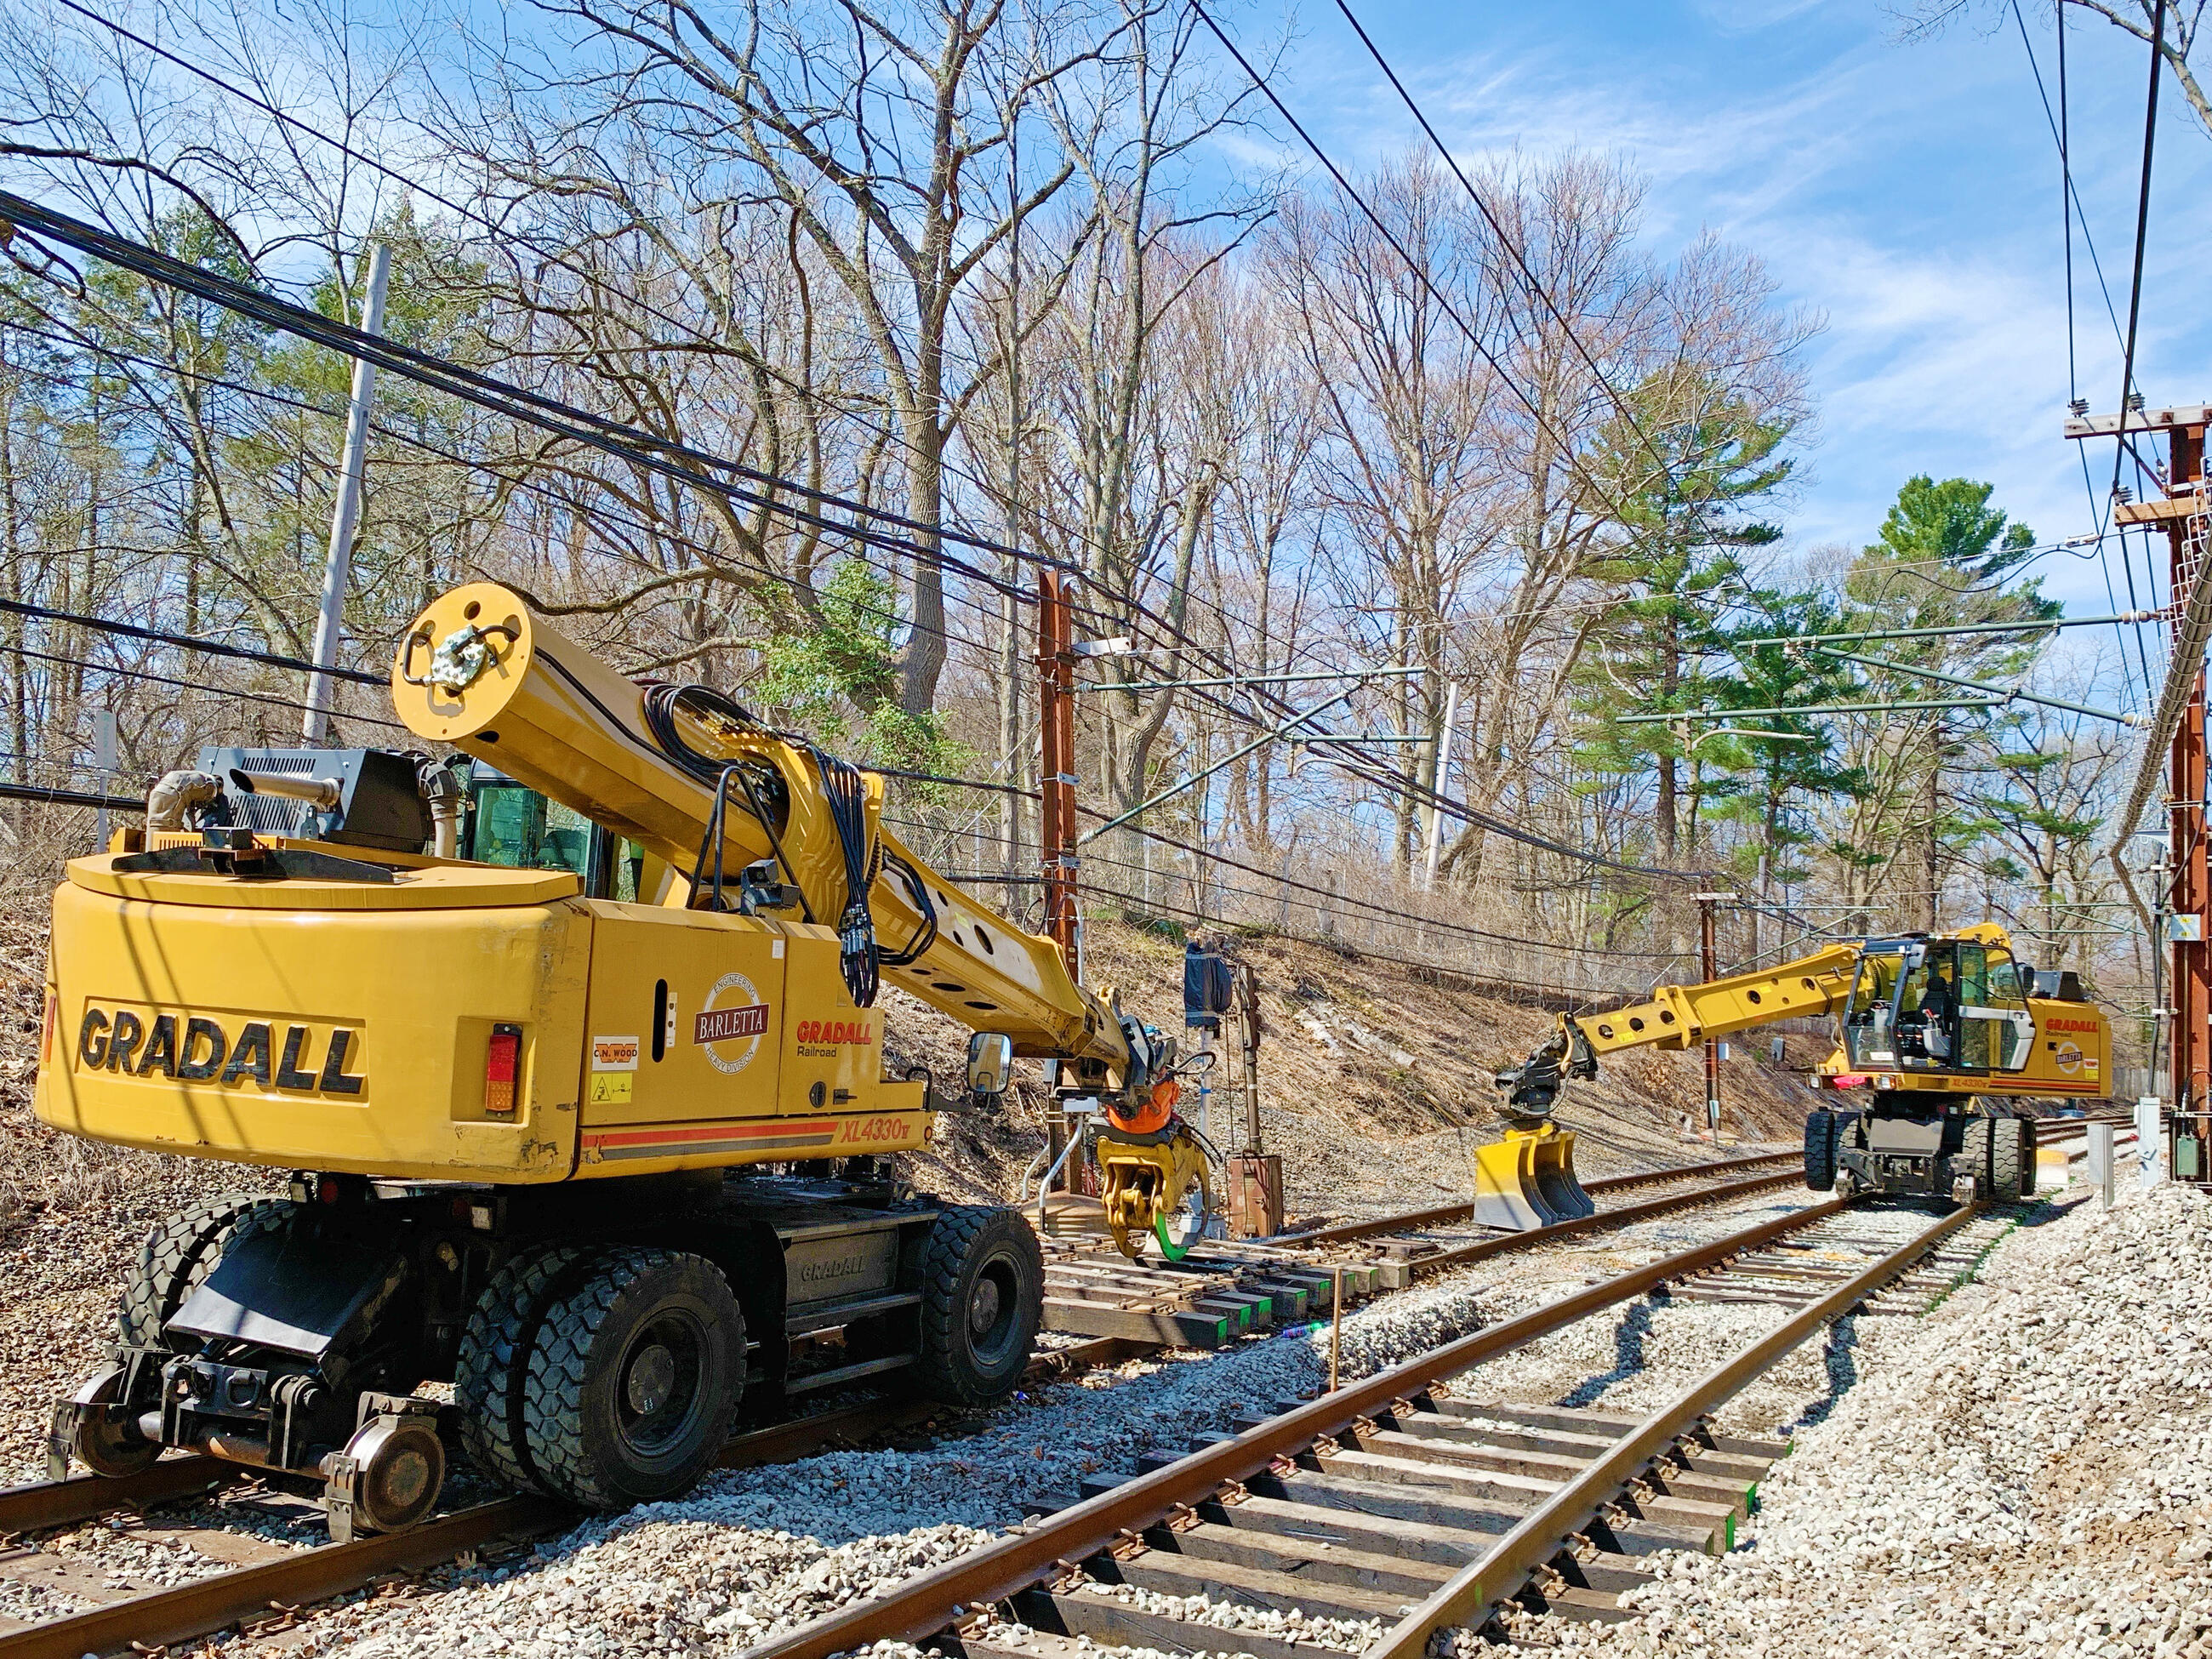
599 1139
1936 1031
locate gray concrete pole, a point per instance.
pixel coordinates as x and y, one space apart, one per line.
346 514
1436 788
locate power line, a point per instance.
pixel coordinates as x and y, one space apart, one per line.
2134 306
223 692
182 641
665 456
415 440
1511 245
1396 781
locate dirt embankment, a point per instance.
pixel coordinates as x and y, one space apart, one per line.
1376 1078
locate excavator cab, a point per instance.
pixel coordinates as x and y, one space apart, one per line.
1954 1006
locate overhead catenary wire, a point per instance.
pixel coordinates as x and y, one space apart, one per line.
2069 203
417 441
1376 771
2135 290
1512 247
629 444
1369 768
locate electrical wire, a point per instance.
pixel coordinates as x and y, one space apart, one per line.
224 692
417 441
1377 771
1512 247
2135 297
186 642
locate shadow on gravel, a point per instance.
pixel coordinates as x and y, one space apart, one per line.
1628 1338
1840 1360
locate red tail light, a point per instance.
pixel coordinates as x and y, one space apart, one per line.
503 1065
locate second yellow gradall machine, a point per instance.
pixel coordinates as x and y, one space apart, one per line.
602 1144
1937 1034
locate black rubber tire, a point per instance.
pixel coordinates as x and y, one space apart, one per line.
1973 1156
491 1371
178 1255
2011 1160
589 1366
981 1278
1820 1150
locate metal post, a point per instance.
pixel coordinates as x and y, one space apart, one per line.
2190 1063
2150 1142
1056 779
345 513
104 757
1436 786
1336 1322
1707 946
2100 1162
1056 792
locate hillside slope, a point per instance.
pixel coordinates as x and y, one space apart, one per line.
1377 1078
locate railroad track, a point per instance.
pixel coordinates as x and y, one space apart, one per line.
1387 1502
265 1591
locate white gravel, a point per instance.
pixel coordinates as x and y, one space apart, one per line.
758 1551
2026 1471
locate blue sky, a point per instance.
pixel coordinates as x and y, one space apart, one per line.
1909 191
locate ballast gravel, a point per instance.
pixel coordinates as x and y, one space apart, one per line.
754 1553
2024 1471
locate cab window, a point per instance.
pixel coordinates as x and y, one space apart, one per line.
1866 1034
1999 1004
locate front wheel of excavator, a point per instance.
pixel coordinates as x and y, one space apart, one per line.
981 1274
1820 1150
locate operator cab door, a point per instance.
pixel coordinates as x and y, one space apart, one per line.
1996 1031
1867 1034
1925 1014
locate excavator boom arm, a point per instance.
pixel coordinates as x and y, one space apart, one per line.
1684 1016
480 672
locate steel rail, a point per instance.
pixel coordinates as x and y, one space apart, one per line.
147 1622
1471 1594
927 1603
1461 1255
1444 1214
42 1505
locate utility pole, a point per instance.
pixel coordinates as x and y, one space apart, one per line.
1056 661
1436 788
1056 772
345 513
105 755
1709 955
2182 512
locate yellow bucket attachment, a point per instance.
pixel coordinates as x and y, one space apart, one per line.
1144 1186
1528 1179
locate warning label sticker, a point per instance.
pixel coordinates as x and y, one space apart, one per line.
610 1089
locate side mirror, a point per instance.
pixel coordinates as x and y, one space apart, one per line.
990 1063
